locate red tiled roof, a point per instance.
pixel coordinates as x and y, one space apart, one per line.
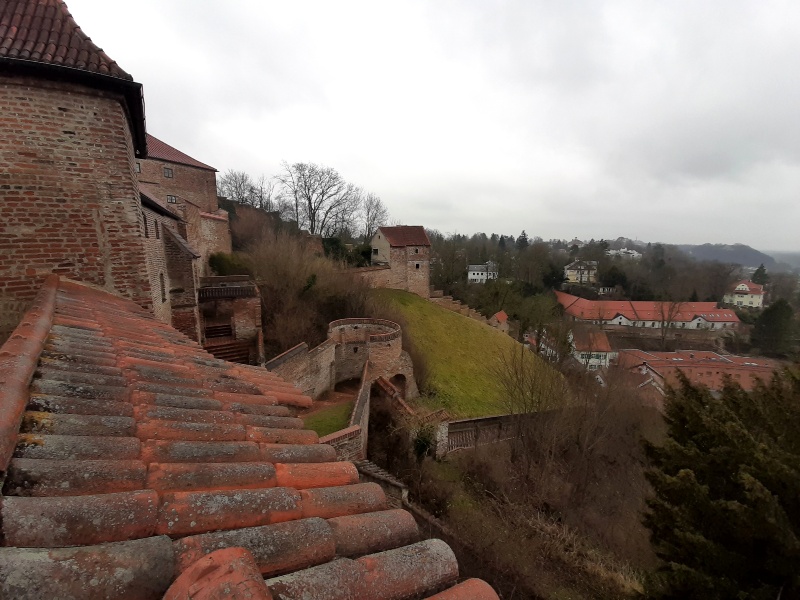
606 310
752 288
405 235
700 367
586 340
40 38
44 31
501 316
162 151
130 454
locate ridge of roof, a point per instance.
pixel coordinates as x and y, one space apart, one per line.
131 456
159 150
405 235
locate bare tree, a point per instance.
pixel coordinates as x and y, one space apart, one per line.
669 311
321 200
374 214
263 194
236 186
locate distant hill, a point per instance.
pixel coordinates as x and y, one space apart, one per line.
790 258
738 254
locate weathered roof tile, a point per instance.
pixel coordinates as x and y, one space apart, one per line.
129 431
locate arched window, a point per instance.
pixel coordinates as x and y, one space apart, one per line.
163 287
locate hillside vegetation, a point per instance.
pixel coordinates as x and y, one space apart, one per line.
462 356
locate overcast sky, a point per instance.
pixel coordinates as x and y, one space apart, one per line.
662 121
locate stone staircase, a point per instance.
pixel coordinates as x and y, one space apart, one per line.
237 351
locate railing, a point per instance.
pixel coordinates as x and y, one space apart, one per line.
223 280
212 293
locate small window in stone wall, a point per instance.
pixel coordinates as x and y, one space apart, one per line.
375 251
172 199
168 172
163 287
355 350
416 250
158 231
144 219
416 266
138 167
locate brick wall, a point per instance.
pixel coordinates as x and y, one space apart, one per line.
154 225
409 269
313 372
183 277
246 321
68 194
187 184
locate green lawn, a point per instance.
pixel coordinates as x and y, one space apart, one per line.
462 354
330 419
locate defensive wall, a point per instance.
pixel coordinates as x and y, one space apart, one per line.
350 345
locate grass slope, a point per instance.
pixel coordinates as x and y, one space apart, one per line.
462 354
328 420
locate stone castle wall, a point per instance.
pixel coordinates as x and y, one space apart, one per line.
68 194
351 345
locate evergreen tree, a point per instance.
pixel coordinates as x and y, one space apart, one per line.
522 241
773 328
725 518
760 275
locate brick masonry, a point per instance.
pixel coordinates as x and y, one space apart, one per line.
350 344
194 191
68 194
408 268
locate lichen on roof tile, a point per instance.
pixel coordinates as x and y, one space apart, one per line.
136 454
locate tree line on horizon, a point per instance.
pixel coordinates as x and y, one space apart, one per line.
315 197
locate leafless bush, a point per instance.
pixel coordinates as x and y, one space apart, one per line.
301 291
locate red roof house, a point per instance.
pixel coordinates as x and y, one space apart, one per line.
689 315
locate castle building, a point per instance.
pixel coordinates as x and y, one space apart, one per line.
188 188
404 252
73 124
134 463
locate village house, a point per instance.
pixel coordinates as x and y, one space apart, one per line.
699 367
135 464
588 346
627 313
745 293
401 260
581 272
482 273
625 253
499 320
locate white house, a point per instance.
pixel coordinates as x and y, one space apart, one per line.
482 273
581 271
745 293
625 253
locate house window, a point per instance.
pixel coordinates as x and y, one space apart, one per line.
416 266
172 199
158 231
138 167
374 252
355 350
168 172
416 250
163 287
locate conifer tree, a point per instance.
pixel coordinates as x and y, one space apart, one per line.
725 518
